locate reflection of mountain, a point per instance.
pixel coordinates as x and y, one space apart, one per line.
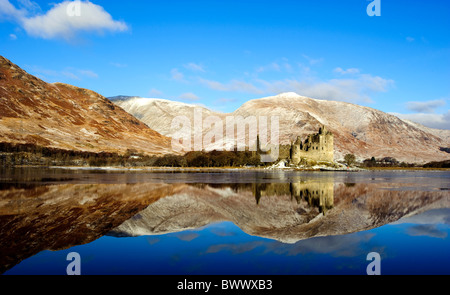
284 212
57 217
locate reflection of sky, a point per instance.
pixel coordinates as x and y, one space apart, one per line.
222 248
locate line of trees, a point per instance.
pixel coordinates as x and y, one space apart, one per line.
211 159
29 154
442 164
350 160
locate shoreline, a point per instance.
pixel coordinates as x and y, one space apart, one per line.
230 169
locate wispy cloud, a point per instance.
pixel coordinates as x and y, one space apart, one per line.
155 92
313 61
425 113
438 121
118 65
355 89
88 73
425 106
233 85
63 21
177 75
352 90
10 12
29 6
430 230
270 67
350 85
189 96
347 71
195 67
66 73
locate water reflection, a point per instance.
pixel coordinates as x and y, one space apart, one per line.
43 214
57 217
287 212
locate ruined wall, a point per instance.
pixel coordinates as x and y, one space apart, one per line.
317 147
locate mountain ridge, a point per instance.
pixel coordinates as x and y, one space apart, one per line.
360 130
67 117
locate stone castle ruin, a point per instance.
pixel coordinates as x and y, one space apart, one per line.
317 147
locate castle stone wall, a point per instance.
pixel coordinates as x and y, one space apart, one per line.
317 147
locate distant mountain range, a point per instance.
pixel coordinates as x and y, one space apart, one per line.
67 117
362 131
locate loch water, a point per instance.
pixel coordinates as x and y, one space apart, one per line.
233 222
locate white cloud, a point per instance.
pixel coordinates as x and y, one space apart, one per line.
30 6
287 66
425 106
12 37
118 65
177 75
344 90
70 75
313 61
88 73
410 39
347 71
270 67
189 96
358 88
10 12
64 20
438 121
155 92
66 73
425 113
194 67
352 90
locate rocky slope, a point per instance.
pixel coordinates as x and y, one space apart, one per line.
363 131
66 117
159 112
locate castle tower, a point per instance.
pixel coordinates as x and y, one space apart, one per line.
317 147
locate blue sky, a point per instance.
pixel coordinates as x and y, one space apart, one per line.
223 53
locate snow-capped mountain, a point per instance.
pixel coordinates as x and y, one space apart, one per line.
363 131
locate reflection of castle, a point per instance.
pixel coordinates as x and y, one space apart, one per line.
318 194
317 147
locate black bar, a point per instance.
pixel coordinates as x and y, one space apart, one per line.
223 284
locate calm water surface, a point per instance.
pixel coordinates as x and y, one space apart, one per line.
245 222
